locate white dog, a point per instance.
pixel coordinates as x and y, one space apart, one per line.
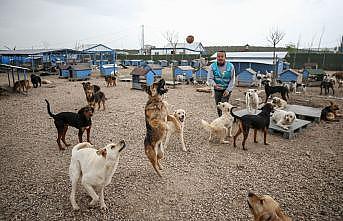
252 99
259 77
279 103
283 118
96 167
175 124
211 87
221 125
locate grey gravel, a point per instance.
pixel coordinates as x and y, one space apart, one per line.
209 182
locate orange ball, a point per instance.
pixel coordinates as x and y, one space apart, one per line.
190 39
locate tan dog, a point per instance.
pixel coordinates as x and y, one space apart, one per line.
279 103
23 85
156 113
284 119
265 208
95 167
175 124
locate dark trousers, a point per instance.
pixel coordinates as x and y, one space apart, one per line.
218 97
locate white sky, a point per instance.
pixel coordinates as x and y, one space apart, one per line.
117 23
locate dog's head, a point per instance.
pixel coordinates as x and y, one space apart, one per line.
250 92
156 89
289 117
224 107
86 85
180 114
265 82
267 108
264 208
86 111
333 107
112 151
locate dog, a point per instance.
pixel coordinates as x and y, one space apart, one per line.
94 98
80 120
339 78
211 88
283 118
156 114
95 168
279 103
88 86
176 124
35 80
260 121
297 88
222 126
269 90
327 83
111 80
259 77
23 85
329 113
252 100
265 208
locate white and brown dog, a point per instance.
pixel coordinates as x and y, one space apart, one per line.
252 100
283 118
175 125
222 126
278 103
95 168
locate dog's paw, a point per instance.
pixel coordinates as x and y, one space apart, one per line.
76 208
94 201
103 207
224 142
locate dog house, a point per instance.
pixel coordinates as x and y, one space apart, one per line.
79 71
154 68
184 63
163 63
141 76
289 76
316 74
184 70
246 78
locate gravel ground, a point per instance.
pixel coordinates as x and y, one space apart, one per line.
209 182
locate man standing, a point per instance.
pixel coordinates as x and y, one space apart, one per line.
222 77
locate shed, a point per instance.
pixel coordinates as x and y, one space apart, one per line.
80 71
163 63
246 77
141 76
201 75
290 75
316 74
184 70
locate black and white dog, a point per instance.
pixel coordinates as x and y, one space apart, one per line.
35 80
269 90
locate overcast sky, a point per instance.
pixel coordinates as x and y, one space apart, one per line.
117 23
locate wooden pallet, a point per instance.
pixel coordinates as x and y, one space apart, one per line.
305 113
298 125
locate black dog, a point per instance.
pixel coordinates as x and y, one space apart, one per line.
269 90
327 84
35 79
260 121
80 120
88 86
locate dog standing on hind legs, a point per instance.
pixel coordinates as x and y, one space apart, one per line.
156 113
80 120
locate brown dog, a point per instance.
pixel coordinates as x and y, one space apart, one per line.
23 85
329 113
111 80
156 113
265 208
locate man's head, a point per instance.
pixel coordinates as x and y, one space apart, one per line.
221 56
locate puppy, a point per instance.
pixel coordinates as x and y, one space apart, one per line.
23 85
283 118
260 121
176 124
269 90
279 103
222 124
35 80
252 100
111 80
95 168
265 208
329 113
156 113
80 120
94 98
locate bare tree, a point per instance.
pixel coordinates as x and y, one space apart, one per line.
274 37
172 39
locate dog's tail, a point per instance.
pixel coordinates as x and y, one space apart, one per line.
48 107
81 146
206 125
232 114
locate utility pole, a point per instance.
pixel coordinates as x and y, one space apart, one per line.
142 50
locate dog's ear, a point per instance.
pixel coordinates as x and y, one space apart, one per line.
268 216
331 103
102 152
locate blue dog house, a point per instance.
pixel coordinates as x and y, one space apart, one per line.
141 76
163 63
107 69
184 70
155 69
79 71
246 78
201 75
290 75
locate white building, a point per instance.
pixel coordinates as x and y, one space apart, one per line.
181 48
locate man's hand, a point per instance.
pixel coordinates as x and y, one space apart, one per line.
226 93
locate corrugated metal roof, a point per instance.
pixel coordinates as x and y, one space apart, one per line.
185 68
291 70
139 71
31 51
253 55
195 46
242 60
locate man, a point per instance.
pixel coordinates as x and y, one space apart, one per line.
221 77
